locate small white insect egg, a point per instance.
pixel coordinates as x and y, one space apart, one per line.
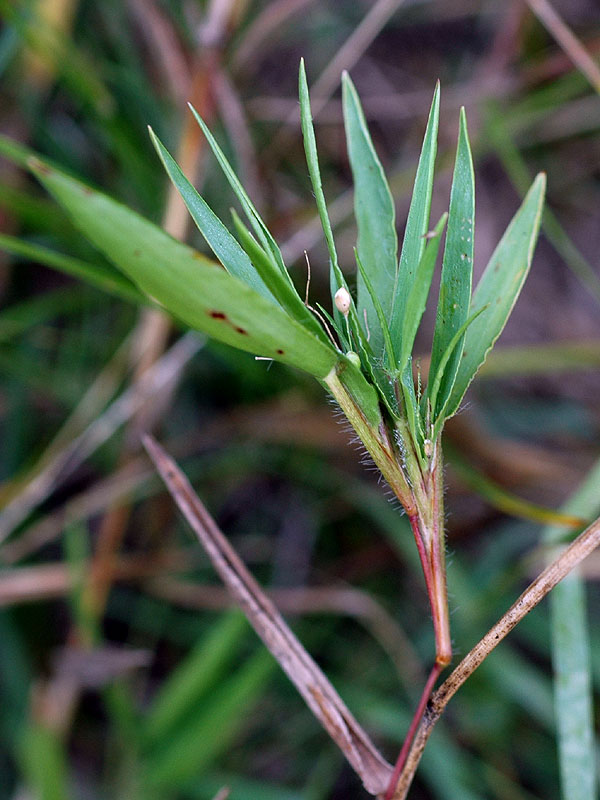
342 300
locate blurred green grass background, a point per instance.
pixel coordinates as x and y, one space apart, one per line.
123 672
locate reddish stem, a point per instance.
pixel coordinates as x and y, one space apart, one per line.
418 715
414 524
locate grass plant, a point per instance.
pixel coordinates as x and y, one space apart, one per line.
365 349
362 350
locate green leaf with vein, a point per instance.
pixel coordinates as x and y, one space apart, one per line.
375 217
189 285
222 243
389 358
417 298
417 223
411 405
499 288
262 232
336 276
267 242
380 373
271 276
441 369
457 271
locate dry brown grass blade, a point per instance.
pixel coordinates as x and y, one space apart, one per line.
565 37
155 380
262 30
39 582
315 688
568 559
351 51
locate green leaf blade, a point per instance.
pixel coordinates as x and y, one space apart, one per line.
312 160
375 217
222 243
292 300
417 223
457 269
417 298
262 232
436 380
279 287
190 286
499 288
389 358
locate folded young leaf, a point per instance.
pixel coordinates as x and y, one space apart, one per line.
262 232
375 217
190 286
278 285
417 223
293 302
411 406
389 359
312 160
222 243
499 288
417 298
380 369
457 271
434 380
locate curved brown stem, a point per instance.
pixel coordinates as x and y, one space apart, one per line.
418 715
535 592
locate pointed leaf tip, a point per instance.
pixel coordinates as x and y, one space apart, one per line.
375 217
500 286
417 223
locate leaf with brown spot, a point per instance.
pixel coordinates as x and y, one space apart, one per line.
188 285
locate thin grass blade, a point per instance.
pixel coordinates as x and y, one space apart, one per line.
336 277
389 358
44 762
266 240
272 277
222 243
505 501
457 270
417 298
375 217
312 160
499 288
573 691
212 728
417 223
187 686
262 232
